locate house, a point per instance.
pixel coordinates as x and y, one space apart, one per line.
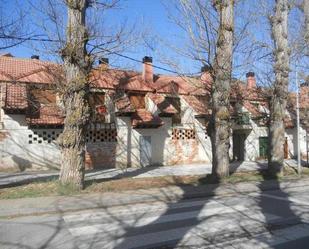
138 119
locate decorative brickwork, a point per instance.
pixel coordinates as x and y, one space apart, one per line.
43 136
103 135
183 134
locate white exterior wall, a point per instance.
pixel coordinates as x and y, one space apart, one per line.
17 153
291 134
164 150
252 151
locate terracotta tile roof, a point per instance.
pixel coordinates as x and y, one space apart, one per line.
179 85
199 104
239 91
28 70
49 115
254 110
191 88
123 105
144 119
15 98
304 97
118 79
164 105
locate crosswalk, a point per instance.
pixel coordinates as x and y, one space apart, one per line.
197 223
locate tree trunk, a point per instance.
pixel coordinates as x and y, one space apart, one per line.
279 23
75 96
220 123
306 13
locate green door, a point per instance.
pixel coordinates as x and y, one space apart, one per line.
263 144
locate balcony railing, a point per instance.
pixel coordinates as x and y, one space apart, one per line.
243 119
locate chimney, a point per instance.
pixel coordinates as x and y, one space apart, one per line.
36 57
104 61
206 77
251 82
147 69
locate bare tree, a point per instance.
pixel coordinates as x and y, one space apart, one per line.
279 24
213 39
86 38
306 13
13 28
77 65
221 89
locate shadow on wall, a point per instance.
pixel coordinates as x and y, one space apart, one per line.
35 160
21 163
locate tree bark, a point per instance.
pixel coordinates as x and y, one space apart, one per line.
220 122
306 14
75 96
279 23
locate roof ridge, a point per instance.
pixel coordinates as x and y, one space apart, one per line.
28 59
42 68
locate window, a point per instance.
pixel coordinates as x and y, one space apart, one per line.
43 96
97 104
137 100
96 98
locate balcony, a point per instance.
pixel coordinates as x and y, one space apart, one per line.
242 122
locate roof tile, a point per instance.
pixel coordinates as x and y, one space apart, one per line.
45 115
143 118
15 98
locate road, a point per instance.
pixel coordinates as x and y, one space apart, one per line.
270 219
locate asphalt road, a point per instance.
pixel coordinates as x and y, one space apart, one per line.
271 219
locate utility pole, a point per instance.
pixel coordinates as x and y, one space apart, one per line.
298 133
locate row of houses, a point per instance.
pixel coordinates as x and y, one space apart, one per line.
138 119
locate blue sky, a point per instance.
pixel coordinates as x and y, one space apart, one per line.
147 15
151 17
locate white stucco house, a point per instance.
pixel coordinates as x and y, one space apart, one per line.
139 118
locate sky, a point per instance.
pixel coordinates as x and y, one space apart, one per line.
150 18
147 16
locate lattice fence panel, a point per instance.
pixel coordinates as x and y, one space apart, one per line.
183 134
103 135
43 136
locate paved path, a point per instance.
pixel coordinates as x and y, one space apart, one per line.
275 218
11 179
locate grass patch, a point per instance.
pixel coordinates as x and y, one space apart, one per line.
142 183
65 189
53 188
30 190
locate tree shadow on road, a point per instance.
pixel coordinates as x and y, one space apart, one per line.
278 210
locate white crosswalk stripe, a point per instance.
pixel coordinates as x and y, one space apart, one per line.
146 225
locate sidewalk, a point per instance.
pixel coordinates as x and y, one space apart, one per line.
61 204
14 179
